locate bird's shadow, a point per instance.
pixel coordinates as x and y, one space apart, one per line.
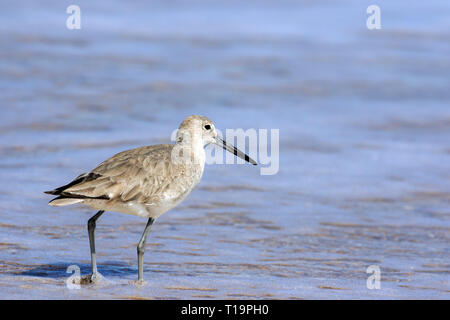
59 270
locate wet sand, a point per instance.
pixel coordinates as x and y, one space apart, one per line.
364 153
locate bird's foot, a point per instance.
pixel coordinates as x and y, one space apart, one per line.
140 282
91 278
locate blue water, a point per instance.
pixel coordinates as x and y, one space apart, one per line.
364 146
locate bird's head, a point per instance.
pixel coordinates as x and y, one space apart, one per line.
201 129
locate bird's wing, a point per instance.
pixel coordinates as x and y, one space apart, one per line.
138 174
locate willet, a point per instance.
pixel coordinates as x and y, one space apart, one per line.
146 181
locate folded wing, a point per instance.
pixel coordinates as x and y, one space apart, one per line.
134 175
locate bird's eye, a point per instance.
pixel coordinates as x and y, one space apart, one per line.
207 127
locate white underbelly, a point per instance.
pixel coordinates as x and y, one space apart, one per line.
145 210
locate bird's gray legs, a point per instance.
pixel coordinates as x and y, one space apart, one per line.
140 247
91 229
141 250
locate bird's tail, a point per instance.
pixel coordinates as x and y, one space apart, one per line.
64 198
62 201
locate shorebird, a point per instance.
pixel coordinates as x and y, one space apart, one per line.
146 181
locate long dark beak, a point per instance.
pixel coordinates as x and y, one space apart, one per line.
234 151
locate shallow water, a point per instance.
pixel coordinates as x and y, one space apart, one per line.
364 147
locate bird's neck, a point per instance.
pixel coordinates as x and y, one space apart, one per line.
190 151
